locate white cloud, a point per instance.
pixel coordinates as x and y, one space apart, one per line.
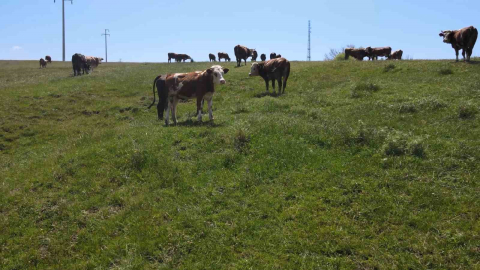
16 48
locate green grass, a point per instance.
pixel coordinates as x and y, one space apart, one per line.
359 165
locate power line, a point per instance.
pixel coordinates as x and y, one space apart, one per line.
309 57
106 54
63 26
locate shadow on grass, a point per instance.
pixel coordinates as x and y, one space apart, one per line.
195 123
270 94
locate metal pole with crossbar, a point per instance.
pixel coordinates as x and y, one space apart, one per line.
106 52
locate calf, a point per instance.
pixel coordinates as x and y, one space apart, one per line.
263 57
254 55
171 56
48 58
224 56
358 54
198 84
273 55
211 56
396 55
43 63
463 39
374 53
79 63
274 69
181 56
242 52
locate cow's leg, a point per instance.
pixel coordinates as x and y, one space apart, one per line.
273 85
456 53
284 83
174 110
469 54
209 98
199 107
167 113
279 79
463 54
266 85
245 61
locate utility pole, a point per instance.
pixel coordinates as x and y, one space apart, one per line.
63 26
309 57
106 54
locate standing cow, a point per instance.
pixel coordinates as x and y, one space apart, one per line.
274 69
43 63
463 39
374 53
79 63
224 56
242 52
48 58
198 84
358 54
396 55
263 57
182 57
171 56
254 55
211 56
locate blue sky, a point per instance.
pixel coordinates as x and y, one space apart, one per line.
146 30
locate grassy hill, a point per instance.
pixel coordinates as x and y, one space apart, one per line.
360 165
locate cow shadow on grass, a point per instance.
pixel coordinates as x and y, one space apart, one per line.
194 123
270 94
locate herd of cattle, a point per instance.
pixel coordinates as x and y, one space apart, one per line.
173 87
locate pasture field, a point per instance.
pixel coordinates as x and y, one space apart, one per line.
360 165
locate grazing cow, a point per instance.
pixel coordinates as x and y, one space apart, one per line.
374 53
224 56
79 63
254 55
182 57
263 57
198 84
171 56
358 54
396 55
212 57
273 55
43 63
242 52
48 58
274 69
463 39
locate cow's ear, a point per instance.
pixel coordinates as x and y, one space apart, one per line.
209 71
225 70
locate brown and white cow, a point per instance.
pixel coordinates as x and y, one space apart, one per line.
254 55
171 56
211 56
358 54
274 69
463 39
224 56
48 58
93 62
198 84
43 63
182 57
396 55
374 53
273 55
242 52
263 57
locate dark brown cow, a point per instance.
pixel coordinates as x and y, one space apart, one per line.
224 56
171 56
463 39
263 57
182 57
397 55
254 55
279 56
274 69
43 63
242 52
198 84
273 55
358 54
211 56
374 53
48 58
79 63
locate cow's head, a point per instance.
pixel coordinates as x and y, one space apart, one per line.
254 70
217 73
447 36
347 53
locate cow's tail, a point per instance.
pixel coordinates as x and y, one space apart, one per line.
473 40
154 83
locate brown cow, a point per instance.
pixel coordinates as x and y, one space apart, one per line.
171 56
211 56
43 63
374 53
48 58
242 52
198 84
224 56
263 57
93 62
254 55
273 55
358 54
279 56
181 56
396 55
463 39
274 69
